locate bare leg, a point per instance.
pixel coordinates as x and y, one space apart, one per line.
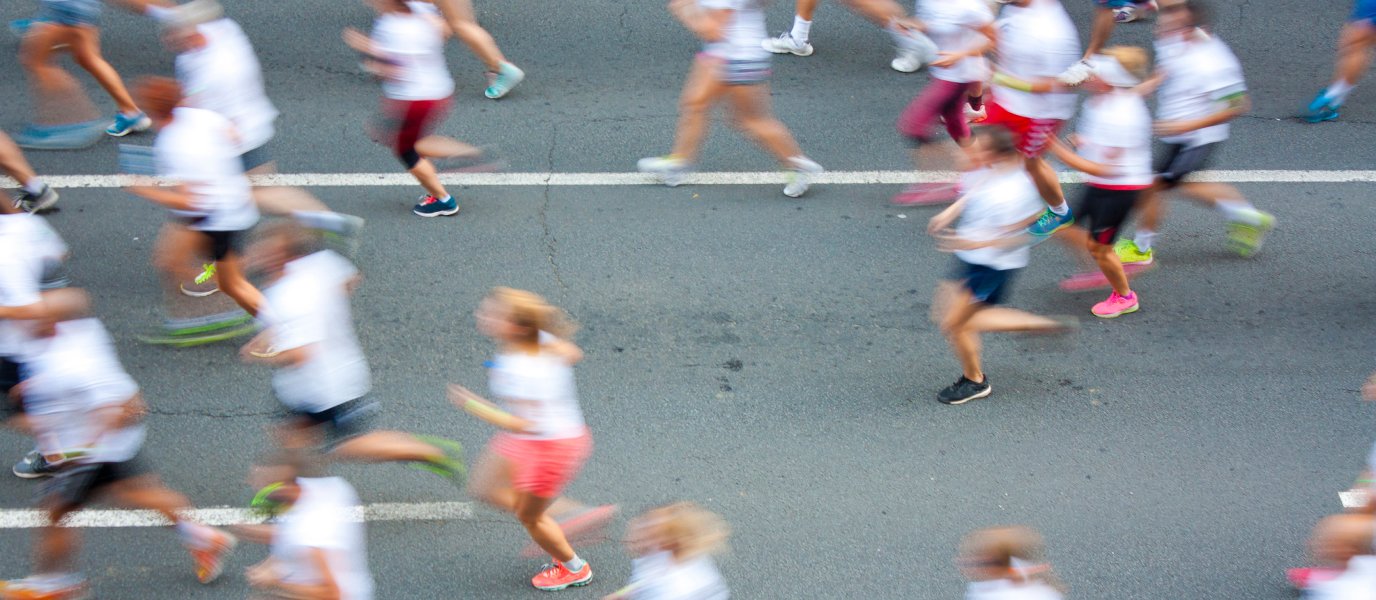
147 492
86 52
530 509
1151 207
490 481
1354 52
1110 266
424 172
753 116
1076 241
805 8
12 161
1103 26
387 446
175 250
878 12
54 547
461 18
700 92
1208 194
438 146
1048 184
235 285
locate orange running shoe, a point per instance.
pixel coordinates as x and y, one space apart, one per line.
558 577
210 559
32 589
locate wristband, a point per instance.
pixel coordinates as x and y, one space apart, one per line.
484 411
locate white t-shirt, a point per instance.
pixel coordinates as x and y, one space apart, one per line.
742 35
1004 589
323 518
309 306
954 26
1357 582
659 577
1117 120
199 150
415 43
27 246
538 388
224 76
1036 42
1001 201
1199 74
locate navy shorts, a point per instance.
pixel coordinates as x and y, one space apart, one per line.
256 157
1363 11
342 422
986 284
71 13
78 485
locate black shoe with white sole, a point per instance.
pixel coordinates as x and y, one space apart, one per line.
964 391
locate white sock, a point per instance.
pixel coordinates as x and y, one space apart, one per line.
1239 211
800 29
319 219
575 564
1337 92
33 186
1143 239
1061 209
159 13
446 198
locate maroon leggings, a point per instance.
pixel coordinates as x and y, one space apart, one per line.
942 100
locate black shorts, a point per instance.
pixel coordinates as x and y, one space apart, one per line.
342 422
1103 211
986 284
77 485
224 242
9 376
256 157
1180 160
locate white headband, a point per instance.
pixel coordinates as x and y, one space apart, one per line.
1110 71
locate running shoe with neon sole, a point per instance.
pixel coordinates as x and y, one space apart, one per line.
431 206
450 466
1051 223
1320 109
785 44
923 194
800 178
43 200
35 466
126 125
210 560
501 82
670 170
204 284
44 588
1116 305
1129 254
558 577
1246 239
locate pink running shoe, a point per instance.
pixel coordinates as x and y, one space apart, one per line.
923 194
1116 305
1096 280
1303 578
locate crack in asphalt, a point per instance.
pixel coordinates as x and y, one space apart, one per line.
547 238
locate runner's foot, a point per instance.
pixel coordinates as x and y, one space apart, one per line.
964 390
558 577
785 44
39 202
1245 238
1116 305
501 82
1129 254
672 171
431 206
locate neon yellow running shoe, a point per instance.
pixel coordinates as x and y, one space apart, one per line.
207 273
1246 239
1128 253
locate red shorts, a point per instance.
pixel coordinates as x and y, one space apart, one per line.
543 467
1030 135
403 122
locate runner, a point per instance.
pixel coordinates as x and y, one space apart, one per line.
501 74
963 31
671 550
34 195
731 66
1114 140
1355 45
543 443
1036 42
1005 563
1202 89
407 51
989 247
73 24
77 390
212 205
1342 544
1107 13
913 48
321 376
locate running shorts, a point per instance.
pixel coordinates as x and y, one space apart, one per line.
78 484
1120 3
987 285
1363 11
543 467
1030 135
1103 211
1179 161
401 123
9 376
224 242
71 13
942 101
745 72
256 157
342 422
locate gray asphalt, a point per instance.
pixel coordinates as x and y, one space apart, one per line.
771 358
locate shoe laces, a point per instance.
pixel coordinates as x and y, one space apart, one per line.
428 200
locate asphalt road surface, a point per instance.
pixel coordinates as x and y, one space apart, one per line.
771 358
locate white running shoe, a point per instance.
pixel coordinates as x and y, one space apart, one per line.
1076 74
907 61
785 44
800 176
914 50
672 171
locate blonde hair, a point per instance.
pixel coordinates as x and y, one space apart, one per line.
530 310
689 530
1133 59
1000 545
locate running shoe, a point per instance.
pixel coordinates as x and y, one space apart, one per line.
800 176
923 194
125 125
431 206
1303 578
1129 254
501 82
210 559
1076 74
1133 12
1051 223
1116 305
34 466
1245 239
74 136
785 44
263 504
964 390
975 115
39 202
450 466
20 27
345 239
39 587
672 171
1095 280
1320 109
558 577
204 284
907 61
579 527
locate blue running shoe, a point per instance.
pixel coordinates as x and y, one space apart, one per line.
431 206
60 137
20 27
1320 109
1051 223
501 82
125 125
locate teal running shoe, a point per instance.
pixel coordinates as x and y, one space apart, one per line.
1320 109
1051 223
501 82
124 125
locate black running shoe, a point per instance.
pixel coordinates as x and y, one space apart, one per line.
39 202
34 466
964 391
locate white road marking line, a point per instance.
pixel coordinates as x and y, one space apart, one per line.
723 178
1352 499
383 511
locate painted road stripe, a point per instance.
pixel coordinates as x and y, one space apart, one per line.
385 511
726 178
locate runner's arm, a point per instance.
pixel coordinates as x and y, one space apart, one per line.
945 218
1235 105
707 25
484 409
1080 163
175 197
